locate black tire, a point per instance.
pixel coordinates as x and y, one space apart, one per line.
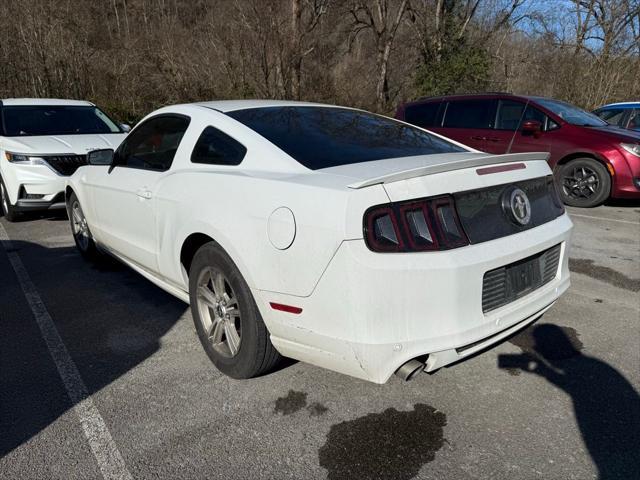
255 355
8 210
85 244
584 182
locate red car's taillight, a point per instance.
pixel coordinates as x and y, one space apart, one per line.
414 226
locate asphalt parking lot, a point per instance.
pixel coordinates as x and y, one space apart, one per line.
101 374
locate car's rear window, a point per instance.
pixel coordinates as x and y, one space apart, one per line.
324 137
20 121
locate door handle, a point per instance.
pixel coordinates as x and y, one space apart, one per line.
144 193
492 139
476 137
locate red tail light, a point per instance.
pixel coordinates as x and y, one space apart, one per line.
414 226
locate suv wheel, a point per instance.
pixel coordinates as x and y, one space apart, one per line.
5 204
584 182
226 317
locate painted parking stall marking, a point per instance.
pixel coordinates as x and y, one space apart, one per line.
603 218
104 449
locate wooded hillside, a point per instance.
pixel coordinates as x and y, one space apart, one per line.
131 56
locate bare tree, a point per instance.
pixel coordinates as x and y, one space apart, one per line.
131 56
383 22
304 20
434 23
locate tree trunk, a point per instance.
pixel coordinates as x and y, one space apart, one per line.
382 87
385 37
296 53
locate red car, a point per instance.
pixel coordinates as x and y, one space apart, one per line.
592 160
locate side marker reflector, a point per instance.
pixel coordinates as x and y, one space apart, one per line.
612 172
285 308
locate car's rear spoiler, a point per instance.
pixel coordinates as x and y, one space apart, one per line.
450 165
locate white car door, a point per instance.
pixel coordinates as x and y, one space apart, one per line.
123 198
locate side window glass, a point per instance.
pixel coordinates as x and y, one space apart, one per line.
532 113
469 114
634 120
613 116
509 115
551 125
153 145
217 148
422 115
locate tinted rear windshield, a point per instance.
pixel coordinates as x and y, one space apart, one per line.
323 137
19 121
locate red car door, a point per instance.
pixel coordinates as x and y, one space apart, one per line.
468 121
508 136
507 121
550 138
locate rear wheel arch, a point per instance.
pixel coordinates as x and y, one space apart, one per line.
190 246
196 240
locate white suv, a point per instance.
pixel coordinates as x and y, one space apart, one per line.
42 142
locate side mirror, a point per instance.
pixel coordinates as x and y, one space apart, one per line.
531 126
100 157
126 128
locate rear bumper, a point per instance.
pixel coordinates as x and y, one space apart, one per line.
370 313
443 358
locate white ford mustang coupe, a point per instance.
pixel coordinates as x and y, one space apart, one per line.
331 235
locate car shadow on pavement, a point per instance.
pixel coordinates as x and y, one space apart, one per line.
110 320
49 215
606 406
623 202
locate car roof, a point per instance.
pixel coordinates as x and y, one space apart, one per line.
622 105
48 102
231 105
471 96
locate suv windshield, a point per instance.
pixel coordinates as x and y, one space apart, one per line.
19 121
324 137
571 114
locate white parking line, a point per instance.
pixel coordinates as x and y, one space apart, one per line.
602 218
104 449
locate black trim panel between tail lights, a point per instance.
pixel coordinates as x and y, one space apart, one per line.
483 217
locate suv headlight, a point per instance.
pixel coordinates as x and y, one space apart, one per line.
632 148
23 159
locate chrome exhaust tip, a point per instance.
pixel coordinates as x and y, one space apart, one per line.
410 369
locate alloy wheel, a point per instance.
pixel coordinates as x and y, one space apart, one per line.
80 227
219 312
581 182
